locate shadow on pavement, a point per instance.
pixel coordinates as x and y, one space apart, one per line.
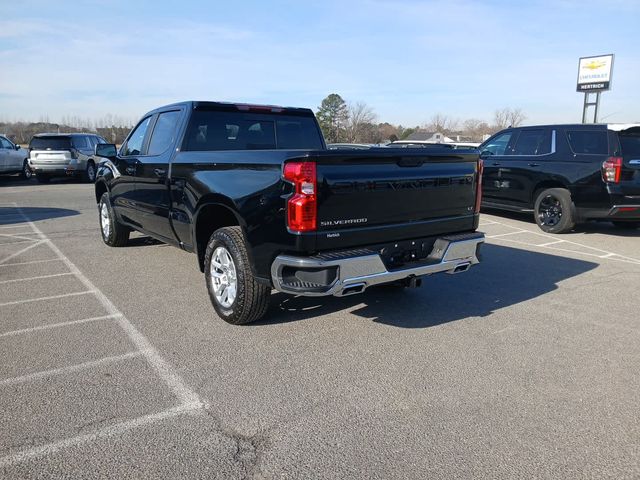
11 215
507 276
602 227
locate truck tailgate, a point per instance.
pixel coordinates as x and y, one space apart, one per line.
384 195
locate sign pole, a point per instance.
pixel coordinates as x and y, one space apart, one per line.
595 115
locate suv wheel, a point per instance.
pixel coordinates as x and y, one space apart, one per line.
90 172
113 232
26 172
554 210
234 292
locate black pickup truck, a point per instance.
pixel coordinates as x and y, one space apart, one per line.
253 191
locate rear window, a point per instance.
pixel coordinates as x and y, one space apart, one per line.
214 130
591 142
50 143
630 144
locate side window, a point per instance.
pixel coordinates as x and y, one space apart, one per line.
4 143
164 133
588 141
80 143
498 145
136 139
533 142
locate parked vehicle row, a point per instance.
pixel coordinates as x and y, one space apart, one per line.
52 155
255 193
565 174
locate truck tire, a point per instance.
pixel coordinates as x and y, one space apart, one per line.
554 210
234 292
113 232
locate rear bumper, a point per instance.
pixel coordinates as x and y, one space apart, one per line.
352 272
616 212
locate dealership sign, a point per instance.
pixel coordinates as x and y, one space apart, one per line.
594 73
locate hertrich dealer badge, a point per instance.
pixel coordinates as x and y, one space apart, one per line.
346 221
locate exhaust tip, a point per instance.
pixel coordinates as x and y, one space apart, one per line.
352 289
463 267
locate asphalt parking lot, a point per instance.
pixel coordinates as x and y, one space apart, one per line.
113 363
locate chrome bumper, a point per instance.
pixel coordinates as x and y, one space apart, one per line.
358 270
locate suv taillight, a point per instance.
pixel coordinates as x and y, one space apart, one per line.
479 186
611 169
302 207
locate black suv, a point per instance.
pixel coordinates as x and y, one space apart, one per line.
565 174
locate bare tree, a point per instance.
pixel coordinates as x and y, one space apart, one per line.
508 117
441 123
361 120
516 117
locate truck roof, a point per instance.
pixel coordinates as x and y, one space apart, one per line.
215 105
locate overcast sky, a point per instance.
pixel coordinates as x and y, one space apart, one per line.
406 59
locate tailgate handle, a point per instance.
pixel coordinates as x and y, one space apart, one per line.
409 162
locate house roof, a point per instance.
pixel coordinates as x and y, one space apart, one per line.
421 136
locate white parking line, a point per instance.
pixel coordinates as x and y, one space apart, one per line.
58 325
113 431
550 243
600 252
20 252
31 262
71 368
52 297
506 234
13 235
35 278
189 400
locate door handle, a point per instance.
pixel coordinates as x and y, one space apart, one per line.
160 172
533 164
495 164
131 170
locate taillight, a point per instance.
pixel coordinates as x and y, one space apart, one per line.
612 169
302 206
479 186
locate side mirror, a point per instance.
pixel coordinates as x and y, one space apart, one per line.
18 147
485 154
106 150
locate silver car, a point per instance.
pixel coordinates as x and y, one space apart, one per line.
13 159
64 155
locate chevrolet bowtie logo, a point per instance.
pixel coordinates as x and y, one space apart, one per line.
594 65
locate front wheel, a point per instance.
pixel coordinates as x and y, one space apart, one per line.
236 295
554 210
89 175
113 232
26 172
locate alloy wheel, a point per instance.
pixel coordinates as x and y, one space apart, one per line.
550 211
224 279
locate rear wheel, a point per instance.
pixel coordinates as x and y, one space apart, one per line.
43 178
627 225
554 210
236 295
26 172
113 232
